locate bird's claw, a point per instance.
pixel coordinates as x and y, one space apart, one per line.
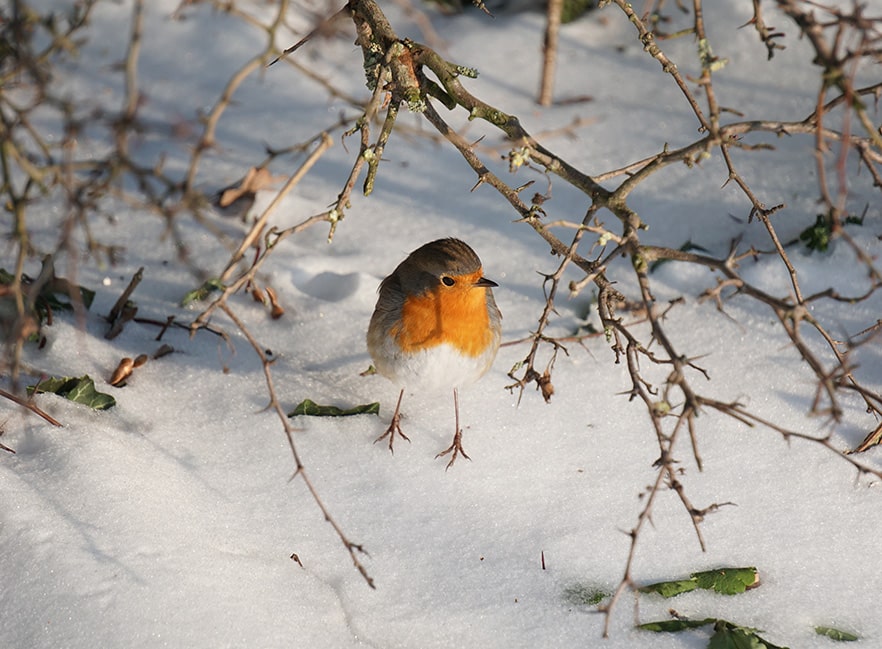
456 448
394 429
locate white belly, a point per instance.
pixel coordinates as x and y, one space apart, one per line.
436 368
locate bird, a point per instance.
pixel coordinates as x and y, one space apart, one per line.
435 326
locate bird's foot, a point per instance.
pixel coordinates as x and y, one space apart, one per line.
455 448
394 429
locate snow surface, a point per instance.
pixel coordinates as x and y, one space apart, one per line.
168 521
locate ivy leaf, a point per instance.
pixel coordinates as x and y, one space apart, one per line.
836 634
731 636
817 236
55 294
310 408
727 635
677 625
79 390
727 581
671 588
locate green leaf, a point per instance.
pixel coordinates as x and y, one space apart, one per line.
312 409
671 588
836 634
199 294
573 9
731 636
677 625
817 236
61 299
54 294
728 581
726 634
79 390
52 384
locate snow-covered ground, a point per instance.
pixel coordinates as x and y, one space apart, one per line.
169 519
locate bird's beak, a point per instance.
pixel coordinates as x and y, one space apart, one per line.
485 283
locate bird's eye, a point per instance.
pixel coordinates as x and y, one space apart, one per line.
448 281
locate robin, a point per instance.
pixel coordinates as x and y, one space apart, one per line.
436 325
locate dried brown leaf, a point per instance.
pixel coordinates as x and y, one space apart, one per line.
122 371
256 179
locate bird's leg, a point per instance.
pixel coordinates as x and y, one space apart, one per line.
456 445
394 426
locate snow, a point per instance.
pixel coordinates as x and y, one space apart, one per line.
169 520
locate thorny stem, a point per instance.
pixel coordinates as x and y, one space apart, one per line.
543 381
255 233
661 404
28 405
207 141
33 164
406 72
354 549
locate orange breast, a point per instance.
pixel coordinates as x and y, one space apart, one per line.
456 315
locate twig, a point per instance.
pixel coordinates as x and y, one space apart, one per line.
28 405
253 234
354 549
259 224
549 51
